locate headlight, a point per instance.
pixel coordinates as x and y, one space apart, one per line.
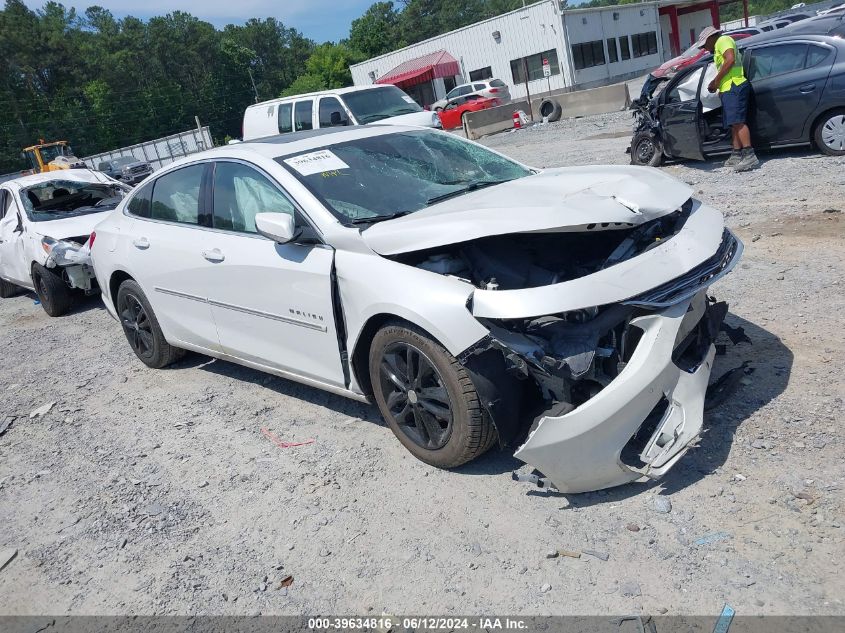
62 252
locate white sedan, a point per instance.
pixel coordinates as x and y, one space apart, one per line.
45 221
473 299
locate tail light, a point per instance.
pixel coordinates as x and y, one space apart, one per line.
495 90
91 239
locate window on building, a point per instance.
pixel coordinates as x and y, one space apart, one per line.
624 48
588 54
302 115
612 55
285 110
534 64
481 73
644 44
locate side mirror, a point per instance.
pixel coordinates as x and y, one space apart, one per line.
279 227
338 119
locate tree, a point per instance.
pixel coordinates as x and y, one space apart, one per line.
377 31
304 84
331 63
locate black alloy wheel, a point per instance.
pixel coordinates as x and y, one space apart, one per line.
416 396
137 325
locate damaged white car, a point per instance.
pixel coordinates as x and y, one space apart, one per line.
45 222
475 300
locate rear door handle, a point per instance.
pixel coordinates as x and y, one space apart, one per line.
214 255
807 88
141 242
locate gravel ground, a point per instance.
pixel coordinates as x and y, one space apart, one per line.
125 490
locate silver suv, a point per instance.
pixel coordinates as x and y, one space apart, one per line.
491 88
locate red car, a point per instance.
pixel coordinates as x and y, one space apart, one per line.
693 54
452 115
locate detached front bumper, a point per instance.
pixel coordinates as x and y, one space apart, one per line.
640 424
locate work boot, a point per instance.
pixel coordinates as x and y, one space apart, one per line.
748 160
735 157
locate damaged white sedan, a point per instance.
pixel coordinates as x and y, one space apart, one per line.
475 300
45 222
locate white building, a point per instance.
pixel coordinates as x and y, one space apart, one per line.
584 48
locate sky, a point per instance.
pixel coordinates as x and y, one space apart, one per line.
321 20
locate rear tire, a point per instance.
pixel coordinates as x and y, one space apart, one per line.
432 408
57 298
142 329
829 134
8 289
646 150
551 110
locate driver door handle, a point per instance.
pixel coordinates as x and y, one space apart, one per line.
214 255
807 88
141 242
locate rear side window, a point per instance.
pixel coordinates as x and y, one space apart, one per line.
285 124
302 115
5 202
776 60
816 55
140 203
478 86
176 196
241 192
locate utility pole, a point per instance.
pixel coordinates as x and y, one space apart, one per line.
252 79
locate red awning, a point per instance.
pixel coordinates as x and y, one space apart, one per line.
422 69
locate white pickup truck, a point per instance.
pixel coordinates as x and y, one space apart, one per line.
46 221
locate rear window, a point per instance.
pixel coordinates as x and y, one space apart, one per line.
498 83
58 199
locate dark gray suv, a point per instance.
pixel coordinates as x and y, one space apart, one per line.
126 169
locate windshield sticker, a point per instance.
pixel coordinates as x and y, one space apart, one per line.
408 99
316 162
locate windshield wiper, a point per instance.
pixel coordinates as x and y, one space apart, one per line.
378 218
473 186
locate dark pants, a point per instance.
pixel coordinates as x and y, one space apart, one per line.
735 104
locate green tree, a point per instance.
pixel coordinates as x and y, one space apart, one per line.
304 84
377 31
331 63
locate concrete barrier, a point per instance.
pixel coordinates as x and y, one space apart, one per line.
601 100
492 120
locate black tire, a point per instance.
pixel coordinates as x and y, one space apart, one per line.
646 150
8 289
440 380
142 329
551 110
829 131
57 298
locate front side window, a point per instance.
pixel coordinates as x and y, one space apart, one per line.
331 106
302 119
379 103
776 60
176 195
382 176
285 124
240 193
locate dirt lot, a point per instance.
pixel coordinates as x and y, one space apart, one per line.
142 491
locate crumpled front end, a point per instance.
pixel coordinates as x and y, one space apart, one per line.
642 422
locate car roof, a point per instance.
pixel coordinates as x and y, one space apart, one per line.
831 36
320 93
80 175
282 145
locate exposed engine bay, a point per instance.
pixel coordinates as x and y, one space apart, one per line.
530 260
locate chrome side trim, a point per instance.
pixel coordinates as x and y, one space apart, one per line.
183 295
270 315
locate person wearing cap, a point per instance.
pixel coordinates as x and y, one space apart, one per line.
734 92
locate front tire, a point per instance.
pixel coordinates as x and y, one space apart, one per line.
8 289
646 150
55 295
829 134
427 398
142 329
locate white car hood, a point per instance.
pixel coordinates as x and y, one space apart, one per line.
566 199
423 119
70 227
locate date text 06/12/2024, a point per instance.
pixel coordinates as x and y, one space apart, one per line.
386 623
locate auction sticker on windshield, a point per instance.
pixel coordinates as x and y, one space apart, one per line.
316 162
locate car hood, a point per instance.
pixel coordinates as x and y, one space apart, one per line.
70 227
424 119
566 199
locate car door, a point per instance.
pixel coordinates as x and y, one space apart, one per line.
13 262
788 79
168 255
272 303
679 114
